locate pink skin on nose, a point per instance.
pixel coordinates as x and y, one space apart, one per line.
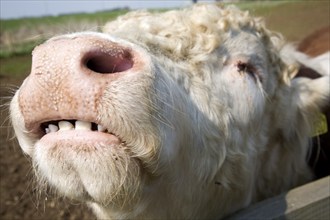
69 76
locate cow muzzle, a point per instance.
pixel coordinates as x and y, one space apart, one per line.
69 76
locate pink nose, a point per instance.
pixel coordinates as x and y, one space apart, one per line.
69 75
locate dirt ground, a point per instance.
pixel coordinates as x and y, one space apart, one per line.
18 196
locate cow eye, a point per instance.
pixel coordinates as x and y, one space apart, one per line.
243 67
248 68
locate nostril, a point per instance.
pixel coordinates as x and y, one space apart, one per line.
107 63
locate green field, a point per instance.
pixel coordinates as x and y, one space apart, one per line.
19 36
294 19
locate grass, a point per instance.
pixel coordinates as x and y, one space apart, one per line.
15 67
298 19
19 49
294 19
20 36
101 17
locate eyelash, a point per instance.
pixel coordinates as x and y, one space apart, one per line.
249 69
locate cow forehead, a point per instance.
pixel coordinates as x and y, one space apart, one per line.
185 34
243 44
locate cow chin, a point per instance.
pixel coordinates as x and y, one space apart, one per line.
93 172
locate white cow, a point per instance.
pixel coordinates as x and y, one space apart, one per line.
187 114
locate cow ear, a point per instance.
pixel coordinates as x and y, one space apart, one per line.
312 89
311 83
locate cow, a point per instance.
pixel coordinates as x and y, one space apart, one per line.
187 114
317 46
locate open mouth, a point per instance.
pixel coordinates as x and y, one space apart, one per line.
67 125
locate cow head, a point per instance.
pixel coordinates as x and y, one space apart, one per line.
185 114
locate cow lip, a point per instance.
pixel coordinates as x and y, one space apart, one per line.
80 142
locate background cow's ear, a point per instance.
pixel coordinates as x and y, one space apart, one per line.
312 81
310 67
308 77
312 94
